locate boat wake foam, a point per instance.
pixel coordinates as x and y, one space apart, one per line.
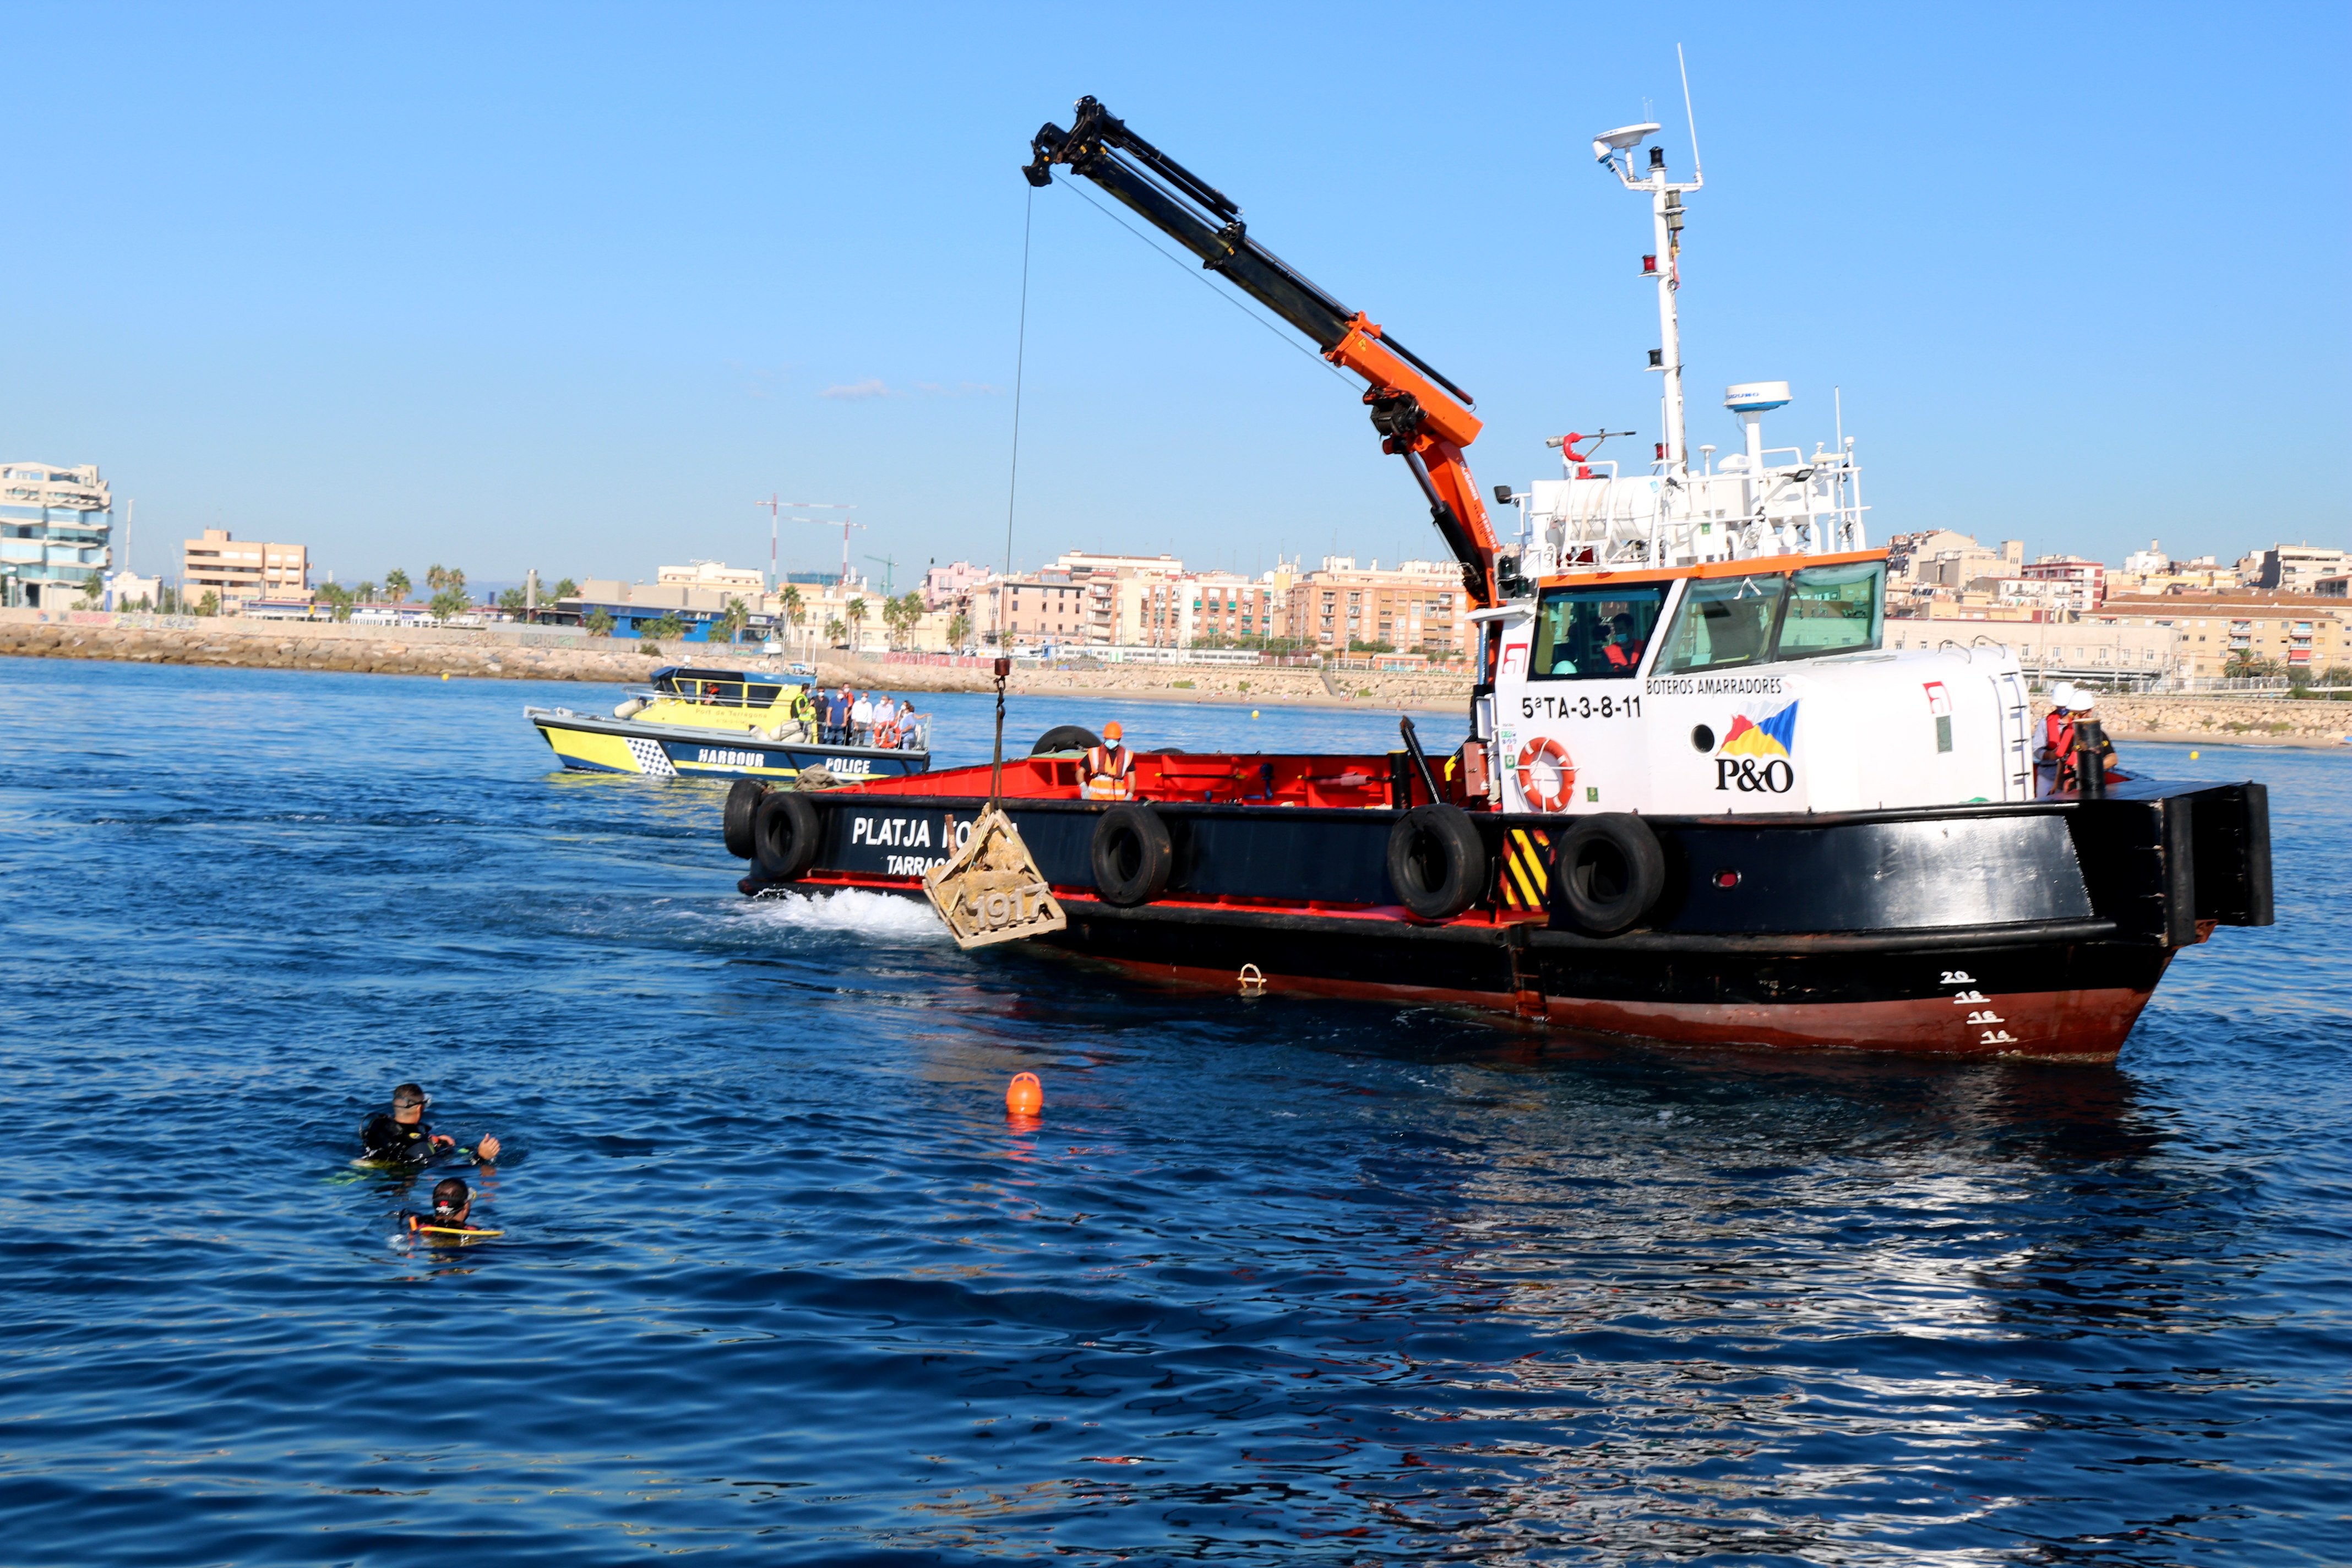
880 916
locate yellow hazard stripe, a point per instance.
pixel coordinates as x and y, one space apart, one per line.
1526 880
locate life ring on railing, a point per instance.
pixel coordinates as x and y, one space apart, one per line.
1543 759
885 736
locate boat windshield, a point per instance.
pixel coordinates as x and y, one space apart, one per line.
1806 613
1724 621
1586 633
728 688
1833 609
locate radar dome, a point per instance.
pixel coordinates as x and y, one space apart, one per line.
1755 397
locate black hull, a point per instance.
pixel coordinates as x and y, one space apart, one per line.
2033 930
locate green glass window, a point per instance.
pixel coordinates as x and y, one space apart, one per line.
1583 633
1724 621
1833 609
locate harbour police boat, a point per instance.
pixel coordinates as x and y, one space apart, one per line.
722 723
1698 800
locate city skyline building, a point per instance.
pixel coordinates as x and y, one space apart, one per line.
242 570
56 528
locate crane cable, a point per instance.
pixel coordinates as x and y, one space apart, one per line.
1173 261
1020 365
1011 493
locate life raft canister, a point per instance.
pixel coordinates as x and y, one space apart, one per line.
1544 760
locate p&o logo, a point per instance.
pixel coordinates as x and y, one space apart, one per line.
1755 757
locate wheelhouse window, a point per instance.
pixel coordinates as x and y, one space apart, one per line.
1808 614
1586 634
1724 621
1833 609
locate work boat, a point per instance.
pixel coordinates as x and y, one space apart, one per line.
725 723
1698 799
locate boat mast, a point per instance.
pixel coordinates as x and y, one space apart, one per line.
1616 149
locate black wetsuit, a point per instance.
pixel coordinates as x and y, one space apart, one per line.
409 1143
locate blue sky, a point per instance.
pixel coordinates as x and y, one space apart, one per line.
572 287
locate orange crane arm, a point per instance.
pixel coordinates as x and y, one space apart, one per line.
1421 416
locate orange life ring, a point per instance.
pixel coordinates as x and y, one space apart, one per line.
1545 751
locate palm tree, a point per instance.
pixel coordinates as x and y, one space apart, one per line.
835 631
959 630
737 616
790 607
396 585
855 612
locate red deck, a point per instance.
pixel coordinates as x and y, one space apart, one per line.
1217 778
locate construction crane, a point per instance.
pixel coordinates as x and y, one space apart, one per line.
775 509
1421 416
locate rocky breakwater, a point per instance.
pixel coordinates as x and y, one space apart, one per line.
306 646
2278 721
1288 684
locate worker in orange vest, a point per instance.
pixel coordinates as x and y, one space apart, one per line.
1111 767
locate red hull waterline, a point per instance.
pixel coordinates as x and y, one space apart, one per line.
2086 1025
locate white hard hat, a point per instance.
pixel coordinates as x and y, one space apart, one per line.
2064 698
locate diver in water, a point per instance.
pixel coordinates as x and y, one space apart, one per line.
402 1137
453 1208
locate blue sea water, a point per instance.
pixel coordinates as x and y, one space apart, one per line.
1271 1281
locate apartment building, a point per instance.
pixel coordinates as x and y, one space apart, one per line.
242 570
2080 585
1029 612
746 581
1207 607
1417 605
1101 563
2052 649
2297 568
946 587
1118 590
2294 631
55 529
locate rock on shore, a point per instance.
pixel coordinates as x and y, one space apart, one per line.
1284 685
266 646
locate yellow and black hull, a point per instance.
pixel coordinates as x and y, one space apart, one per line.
592 743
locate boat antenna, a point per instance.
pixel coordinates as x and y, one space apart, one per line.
1698 170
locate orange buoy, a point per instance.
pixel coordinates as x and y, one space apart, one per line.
1024 1095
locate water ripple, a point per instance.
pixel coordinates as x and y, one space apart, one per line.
1279 1281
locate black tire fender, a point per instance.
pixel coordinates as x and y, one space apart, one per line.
786 831
1607 871
1437 862
742 800
1066 738
1132 855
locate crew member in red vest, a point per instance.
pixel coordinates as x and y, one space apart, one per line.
2069 705
1111 767
2058 736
